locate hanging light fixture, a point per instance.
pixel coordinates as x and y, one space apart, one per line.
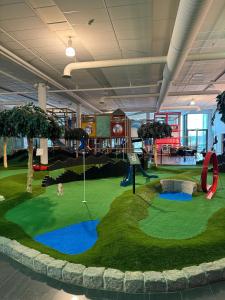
192 102
70 51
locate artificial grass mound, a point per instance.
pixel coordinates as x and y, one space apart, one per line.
122 244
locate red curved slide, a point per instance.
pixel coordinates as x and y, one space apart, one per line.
210 189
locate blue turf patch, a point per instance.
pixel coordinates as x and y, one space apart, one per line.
72 239
176 196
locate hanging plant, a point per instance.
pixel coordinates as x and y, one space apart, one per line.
220 99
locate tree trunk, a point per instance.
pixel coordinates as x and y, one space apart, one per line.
155 153
30 165
77 145
5 141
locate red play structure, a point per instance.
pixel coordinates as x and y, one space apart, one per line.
210 189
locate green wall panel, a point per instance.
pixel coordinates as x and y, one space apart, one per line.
103 126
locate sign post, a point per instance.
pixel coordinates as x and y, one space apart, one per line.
133 160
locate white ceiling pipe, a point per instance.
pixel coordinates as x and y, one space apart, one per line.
206 56
112 63
186 107
88 89
190 17
34 70
172 94
136 61
135 109
129 96
110 88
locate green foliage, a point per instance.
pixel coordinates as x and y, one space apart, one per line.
154 130
6 126
75 134
33 122
220 99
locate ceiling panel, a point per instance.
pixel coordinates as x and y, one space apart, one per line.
14 11
6 2
32 34
78 5
84 17
141 10
51 14
41 3
22 24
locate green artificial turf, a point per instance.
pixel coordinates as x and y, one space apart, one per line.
181 220
48 211
122 243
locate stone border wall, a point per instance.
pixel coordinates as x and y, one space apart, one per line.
112 279
175 185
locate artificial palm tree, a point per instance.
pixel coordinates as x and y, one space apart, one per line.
6 131
220 99
32 122
154 130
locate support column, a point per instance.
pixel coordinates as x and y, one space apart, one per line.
147 116
79 115
42 99
210 132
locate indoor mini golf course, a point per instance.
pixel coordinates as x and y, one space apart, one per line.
115 228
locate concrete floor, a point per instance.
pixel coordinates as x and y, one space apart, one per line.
19 283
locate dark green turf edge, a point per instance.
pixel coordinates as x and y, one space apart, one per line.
121 243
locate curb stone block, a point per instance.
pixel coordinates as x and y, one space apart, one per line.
113 280
221 264
41 262
93 277
54 269
14 250
154 282
213 271
195 275
176 280
28 257
73 273
3 241
134 282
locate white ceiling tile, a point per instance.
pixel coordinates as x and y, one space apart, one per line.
41 3
45 43
22 24
111 3
45 51
95 27
60 26
130 11
13 45
26 55
6 2
32 34
14 11
161 30
98 15
4 37
164 9
51 14
78 5
141 47
133 24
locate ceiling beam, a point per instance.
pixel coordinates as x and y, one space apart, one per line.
19 61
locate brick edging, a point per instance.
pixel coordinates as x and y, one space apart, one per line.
112 279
